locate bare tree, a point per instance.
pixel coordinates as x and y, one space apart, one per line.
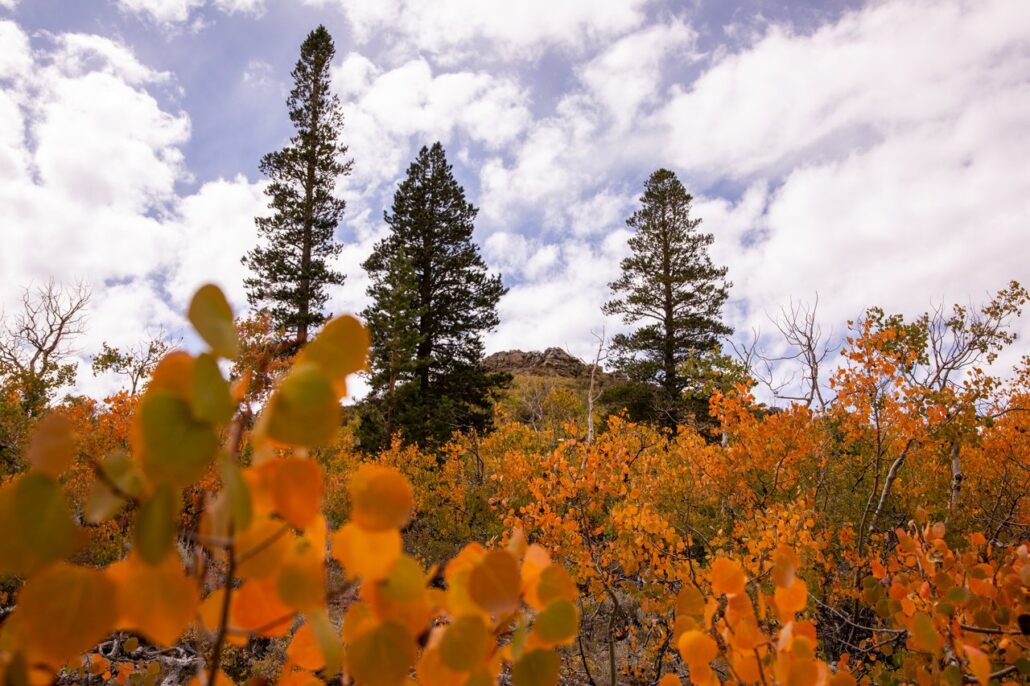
593 394
807 351
36 343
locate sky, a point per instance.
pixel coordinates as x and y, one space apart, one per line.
862 153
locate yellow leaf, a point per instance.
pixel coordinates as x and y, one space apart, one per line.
381 498
174 374
64 611
304 410
406 582
340 348
328 640
464 643
555 583
52 446
494 583
211 316
536 560
366 554
157 601
690 602
302 577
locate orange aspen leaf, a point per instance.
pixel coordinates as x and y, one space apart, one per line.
792 599
256 607
381 498
297 487
494 583
366 554
727 576
158 601
65 610
979 664
52 445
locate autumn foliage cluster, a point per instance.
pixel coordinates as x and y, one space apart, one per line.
233 531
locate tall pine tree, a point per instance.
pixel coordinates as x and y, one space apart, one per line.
672 291
291 270
432 300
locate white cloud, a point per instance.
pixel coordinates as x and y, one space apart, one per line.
451 29
89 161
253 7
390 113
8 4
258 74
628 74
16 57
561 306
78 54
875 73
162 11
172 12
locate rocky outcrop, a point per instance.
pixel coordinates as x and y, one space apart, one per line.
550 362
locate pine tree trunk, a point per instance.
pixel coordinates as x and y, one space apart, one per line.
669 361
309 211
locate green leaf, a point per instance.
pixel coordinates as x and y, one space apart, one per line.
211 316
46 524
304 411
536 668
557 622
212 399
951 676
239 495
464 644
155 526
328 639
382 656
177 447
924 634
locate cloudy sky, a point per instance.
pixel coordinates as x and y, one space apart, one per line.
871 152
